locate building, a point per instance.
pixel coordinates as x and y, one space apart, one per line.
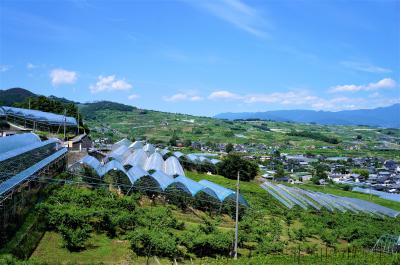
80 142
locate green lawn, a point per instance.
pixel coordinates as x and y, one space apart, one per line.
101 249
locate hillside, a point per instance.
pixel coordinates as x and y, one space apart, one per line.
13 95
114 120
380 117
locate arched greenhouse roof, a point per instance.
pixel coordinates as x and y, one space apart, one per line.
173 167
92 162
112 165
155 162
40 116
215 161
163 179
192 157
2 111
222 192
136 173
136 145
138 158
123 142
149 148
178 154
120 154
16 141
194 187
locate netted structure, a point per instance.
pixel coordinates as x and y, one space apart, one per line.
36 119
387 244
306 199
24 160
137 167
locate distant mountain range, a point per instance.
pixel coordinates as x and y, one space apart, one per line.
388 117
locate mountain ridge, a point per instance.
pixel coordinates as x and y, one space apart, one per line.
378 117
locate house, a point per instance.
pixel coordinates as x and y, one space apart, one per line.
390 165
80 142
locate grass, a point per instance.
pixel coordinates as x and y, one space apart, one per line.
100 249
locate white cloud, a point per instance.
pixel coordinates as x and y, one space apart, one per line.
305 99
133 96
4 68
109 83
183 97
381 84
365 67
236 13
61 76
225 95
31 66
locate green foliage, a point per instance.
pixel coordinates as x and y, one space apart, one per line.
154 241
207 240
234 163
362 172
314 136
229 148
280 172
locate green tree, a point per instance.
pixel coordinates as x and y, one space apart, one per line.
229 148
280 172
233 163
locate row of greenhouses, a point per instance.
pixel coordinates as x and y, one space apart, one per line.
152 179
306 199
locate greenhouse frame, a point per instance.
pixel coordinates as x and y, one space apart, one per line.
26 163
36 119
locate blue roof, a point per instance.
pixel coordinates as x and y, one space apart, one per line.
40 116
136 173
18 151
194 187
221 192
178 154
163 179
18 140
23 175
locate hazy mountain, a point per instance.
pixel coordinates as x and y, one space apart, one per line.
380 117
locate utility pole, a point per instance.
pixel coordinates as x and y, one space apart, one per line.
78 119
237 218
65 118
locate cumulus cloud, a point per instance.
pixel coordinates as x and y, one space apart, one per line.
60 76
133 96
109 83
381 84
223 94
183 97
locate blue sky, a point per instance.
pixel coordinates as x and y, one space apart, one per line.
205 57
